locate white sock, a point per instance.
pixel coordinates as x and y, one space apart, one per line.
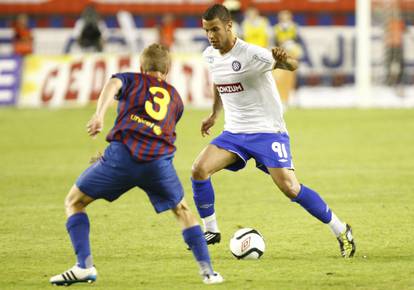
210 224
337 227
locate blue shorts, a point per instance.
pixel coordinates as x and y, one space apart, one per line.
117 172
267 149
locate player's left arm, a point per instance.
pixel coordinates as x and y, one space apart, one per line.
105 100
209 122
283 60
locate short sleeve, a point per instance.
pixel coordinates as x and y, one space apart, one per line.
180 114
207 55
205 52
261 59
126 81
180 106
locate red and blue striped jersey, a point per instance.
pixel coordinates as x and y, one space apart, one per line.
148 111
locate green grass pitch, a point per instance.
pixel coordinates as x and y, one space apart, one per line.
361 161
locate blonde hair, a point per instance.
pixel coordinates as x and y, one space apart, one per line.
155 57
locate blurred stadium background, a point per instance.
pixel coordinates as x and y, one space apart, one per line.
354 54
44 65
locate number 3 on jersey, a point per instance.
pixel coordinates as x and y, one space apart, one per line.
161 101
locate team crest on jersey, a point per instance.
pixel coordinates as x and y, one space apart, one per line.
230 88
236 65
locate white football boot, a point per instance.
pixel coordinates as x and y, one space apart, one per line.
75 275
216 278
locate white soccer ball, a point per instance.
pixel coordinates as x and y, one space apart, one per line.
247 243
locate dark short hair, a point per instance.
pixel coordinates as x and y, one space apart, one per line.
217 11
155 57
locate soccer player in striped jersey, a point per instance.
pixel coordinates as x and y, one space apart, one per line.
254 126
140 154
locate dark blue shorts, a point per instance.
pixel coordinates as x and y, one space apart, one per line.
117 172
267 149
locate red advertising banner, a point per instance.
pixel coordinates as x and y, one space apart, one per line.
164 6
76 80
104 6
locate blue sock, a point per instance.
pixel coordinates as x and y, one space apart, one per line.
194 238
314 204
78 229
203 197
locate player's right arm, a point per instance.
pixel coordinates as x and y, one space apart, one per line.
210 120
283 60
105 100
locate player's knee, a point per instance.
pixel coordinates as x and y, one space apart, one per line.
74 202
181 210
290 189
71 203
183 213
199 171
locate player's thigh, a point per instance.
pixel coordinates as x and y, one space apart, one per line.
76 200
161 183
110 176
286 181
213 159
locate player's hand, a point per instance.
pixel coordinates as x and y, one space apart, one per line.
206 124
95 158
279 54
94 126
